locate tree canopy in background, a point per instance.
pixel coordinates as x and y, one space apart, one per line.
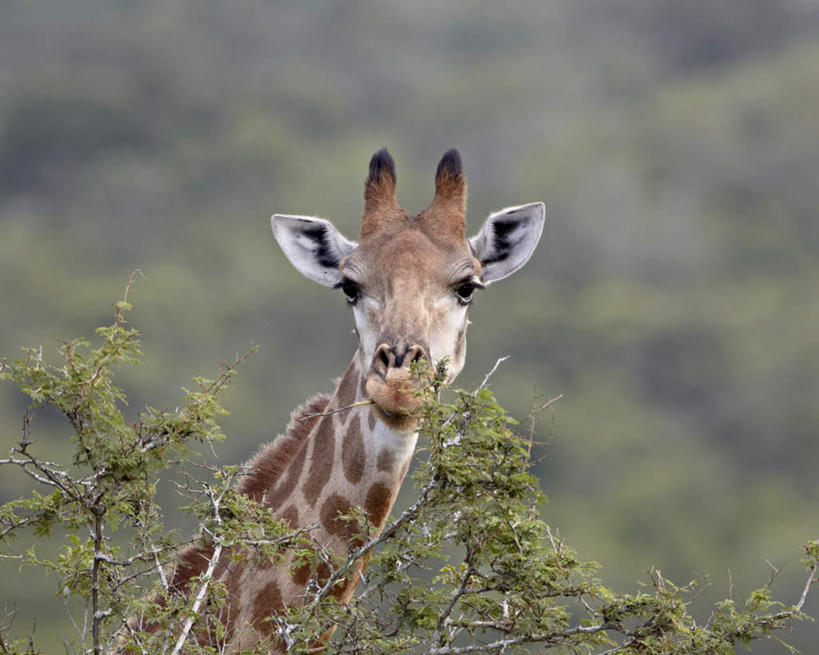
671 302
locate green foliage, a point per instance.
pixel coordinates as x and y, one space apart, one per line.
469 567
110 485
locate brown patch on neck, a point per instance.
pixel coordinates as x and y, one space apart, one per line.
311 569
267 603
348 386
232 608
190 563
321 460
291 516
379 502
352 451
344 588
333 507
386 460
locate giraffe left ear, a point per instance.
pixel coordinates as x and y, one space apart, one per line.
507 240
313 245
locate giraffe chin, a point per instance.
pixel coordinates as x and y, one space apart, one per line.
396 422
395 402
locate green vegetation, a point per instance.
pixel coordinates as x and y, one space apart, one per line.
671 301
469 567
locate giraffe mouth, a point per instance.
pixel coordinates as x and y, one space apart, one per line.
394 399
398 422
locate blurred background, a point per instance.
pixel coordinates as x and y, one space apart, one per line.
672 300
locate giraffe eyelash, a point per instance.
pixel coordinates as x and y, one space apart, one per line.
350 289
465 289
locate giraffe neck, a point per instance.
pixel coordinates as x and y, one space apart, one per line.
321 468
355 460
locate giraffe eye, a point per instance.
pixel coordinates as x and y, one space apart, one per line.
351 290
464 292
465 288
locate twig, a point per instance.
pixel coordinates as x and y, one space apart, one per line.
360 403
442 619
162 577
97 614
206 578
533 416
79 632
200 597
810 581
548 403
786 614
549 638
492 371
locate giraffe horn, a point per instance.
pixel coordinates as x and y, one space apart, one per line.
379 191
449 204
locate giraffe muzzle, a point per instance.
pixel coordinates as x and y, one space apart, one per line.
390 384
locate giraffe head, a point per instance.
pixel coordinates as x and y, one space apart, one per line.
411 278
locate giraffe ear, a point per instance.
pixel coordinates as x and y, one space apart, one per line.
313 245
507 240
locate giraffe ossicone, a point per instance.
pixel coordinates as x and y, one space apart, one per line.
409 279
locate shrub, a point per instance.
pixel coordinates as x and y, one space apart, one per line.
468 567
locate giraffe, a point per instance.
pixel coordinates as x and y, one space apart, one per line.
409 281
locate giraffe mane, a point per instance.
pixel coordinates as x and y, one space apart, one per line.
267 466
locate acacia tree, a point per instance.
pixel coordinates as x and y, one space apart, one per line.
468 567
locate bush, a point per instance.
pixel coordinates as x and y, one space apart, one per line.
469 567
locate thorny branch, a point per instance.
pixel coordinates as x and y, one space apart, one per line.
500 629
97 614
360 403
406 516
513 635
206 578
492 371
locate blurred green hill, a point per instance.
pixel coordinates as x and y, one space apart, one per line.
673 299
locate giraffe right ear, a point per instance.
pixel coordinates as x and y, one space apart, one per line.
313 245
507 240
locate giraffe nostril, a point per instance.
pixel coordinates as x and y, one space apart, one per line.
416 354
383 359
